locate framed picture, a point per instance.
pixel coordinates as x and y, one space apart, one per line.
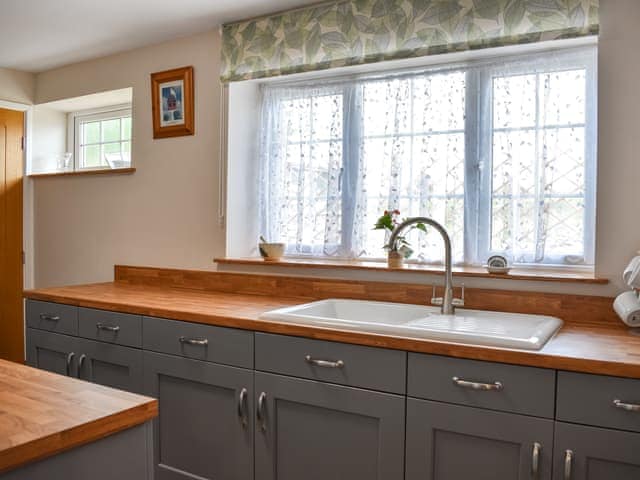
172 98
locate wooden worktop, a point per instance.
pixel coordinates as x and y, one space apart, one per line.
591 341
42 414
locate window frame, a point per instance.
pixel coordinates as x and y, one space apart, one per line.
478 142
77 119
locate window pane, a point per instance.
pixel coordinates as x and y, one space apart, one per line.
539 166
126 128
90 132
111 130
91 156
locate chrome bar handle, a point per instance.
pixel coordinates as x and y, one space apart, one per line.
629 407
568 463
535 460
242 404
202 342
108 328
495 386
260 411
324 363
70 356
81 360
51 318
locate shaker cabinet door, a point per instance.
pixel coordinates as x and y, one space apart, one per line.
317 431
453 442
110 365
53 352
204 429
591 453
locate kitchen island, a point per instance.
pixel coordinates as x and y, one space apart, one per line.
52 426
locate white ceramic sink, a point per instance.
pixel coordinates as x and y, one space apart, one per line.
498 329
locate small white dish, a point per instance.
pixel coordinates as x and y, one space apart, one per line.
497 264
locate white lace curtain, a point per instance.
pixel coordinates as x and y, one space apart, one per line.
501 153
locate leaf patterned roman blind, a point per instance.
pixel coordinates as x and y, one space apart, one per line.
353 32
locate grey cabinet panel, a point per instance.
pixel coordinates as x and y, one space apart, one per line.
122 456
202 431
51 351
110 365
526 390
318 431
113 327
589 399
365 367
213 344
598 453
453 442
54 317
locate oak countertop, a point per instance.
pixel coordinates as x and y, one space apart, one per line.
43 414
602 348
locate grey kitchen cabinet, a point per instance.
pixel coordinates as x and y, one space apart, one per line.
454 442
592 453
103 363
110 365
205 426
50 351
311 430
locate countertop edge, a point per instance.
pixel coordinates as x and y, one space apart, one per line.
539 358
18 456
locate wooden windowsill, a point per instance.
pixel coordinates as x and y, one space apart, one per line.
102 171
530 274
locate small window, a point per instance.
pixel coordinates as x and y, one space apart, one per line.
103 140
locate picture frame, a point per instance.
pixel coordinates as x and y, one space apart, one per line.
172 103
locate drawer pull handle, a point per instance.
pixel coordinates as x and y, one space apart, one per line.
260 411
81 361
495 386
108 328
201 342
324 363
50 318
242 407
535 460
629 407
70 356
568 464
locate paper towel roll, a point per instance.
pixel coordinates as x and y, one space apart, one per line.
631 274
627 306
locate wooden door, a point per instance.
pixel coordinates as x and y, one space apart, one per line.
453 442
11 155
591 453
319 431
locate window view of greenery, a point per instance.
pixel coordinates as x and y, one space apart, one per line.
105 143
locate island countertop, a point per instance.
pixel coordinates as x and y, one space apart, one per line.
592 345
43 414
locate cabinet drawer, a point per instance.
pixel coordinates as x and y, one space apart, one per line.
510 388
353 365
202 342
590 400
54 317
112 327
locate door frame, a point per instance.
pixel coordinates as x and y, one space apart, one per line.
28 274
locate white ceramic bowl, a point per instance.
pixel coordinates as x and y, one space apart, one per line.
271 252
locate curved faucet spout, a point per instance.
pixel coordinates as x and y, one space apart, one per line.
447 307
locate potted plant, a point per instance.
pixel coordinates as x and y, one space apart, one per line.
397 253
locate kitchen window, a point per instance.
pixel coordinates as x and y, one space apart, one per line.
102 139
501 151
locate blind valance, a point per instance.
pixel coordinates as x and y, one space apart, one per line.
352 32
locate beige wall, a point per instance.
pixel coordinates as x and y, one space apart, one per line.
165 213
17 86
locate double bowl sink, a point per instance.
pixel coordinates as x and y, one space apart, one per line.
495 329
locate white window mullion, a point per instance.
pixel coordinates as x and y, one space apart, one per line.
351 165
